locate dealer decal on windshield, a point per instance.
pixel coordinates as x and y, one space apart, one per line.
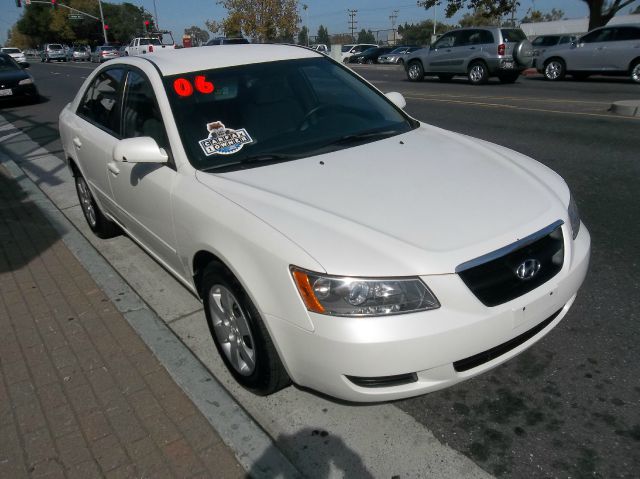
223 140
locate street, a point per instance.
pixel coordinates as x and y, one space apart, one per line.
568 407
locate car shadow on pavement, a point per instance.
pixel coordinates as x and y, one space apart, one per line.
321 454
25 232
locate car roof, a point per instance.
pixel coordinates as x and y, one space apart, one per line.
184 60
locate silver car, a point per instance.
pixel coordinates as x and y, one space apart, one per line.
478 53
103 53
397 56
53 51
611 50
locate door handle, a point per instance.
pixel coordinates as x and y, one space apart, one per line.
77 142
113 168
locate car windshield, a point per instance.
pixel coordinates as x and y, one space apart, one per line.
398 50
346 48
11 50
8 64
369 51
252 115
55 47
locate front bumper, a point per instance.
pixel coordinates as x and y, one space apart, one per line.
21 91
426 345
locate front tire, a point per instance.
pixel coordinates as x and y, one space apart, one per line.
635 72
478 73
99 224
415 72
555 70
240 336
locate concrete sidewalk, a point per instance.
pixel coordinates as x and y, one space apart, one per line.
81 395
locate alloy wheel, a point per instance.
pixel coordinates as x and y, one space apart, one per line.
414 71
477 73
232 329
635 73
86 201
553 70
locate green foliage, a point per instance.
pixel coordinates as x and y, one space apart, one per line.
420 33
262 20
303 36
366 36
198 35
323 36
478 19
42 24
487 8
535 16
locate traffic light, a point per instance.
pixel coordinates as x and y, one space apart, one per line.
19 3
146 25
54 4
106 27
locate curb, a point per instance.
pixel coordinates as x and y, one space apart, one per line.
254 449
626 107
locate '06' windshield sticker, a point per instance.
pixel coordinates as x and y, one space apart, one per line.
223 140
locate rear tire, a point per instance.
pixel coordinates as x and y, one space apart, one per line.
99 224
478 73
240 336
555 69
415 72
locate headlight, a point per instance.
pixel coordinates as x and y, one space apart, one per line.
574 217
26 81
345 296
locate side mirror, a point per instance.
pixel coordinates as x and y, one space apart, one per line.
142 149
397 99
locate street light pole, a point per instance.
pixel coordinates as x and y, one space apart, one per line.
104 32
155 11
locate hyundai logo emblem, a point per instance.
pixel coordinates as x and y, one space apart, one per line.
528 269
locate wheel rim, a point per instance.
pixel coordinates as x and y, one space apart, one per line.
86 202
414 71
477 73
635 73
553 70
232 330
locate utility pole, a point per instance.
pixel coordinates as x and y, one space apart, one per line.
155 12
102 20
352 22
393 17
305 7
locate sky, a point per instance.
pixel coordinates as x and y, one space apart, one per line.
176 15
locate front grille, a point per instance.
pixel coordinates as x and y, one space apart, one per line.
493 278
486 356
383 381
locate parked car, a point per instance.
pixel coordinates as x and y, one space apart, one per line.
397 55
103 53
80 54
320 47
370 55
15 82
53 51
227 41
611 50
15 53
242 173
478 52
543 43
150 44
348 50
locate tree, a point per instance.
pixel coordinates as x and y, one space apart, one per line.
600 11
303 36
263 20
420 33
323 36
366 36
535 16
341 39
478 19
197 34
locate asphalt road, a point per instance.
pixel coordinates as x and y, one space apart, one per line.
568 407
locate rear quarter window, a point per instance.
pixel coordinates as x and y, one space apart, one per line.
512 35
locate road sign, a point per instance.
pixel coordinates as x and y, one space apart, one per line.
75 16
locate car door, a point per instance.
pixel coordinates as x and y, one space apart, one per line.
142 191
624 48
590 52
95 129
440 54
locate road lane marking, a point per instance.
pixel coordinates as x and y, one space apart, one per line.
514 107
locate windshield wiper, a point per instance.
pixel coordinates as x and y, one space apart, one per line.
370 135
253 161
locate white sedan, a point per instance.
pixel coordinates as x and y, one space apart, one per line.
335 241
15 53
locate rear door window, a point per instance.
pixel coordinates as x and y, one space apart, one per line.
627 33
99 105
597 36
512 35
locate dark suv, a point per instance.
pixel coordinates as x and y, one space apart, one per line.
477 52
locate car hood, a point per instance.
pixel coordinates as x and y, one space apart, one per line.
418 203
